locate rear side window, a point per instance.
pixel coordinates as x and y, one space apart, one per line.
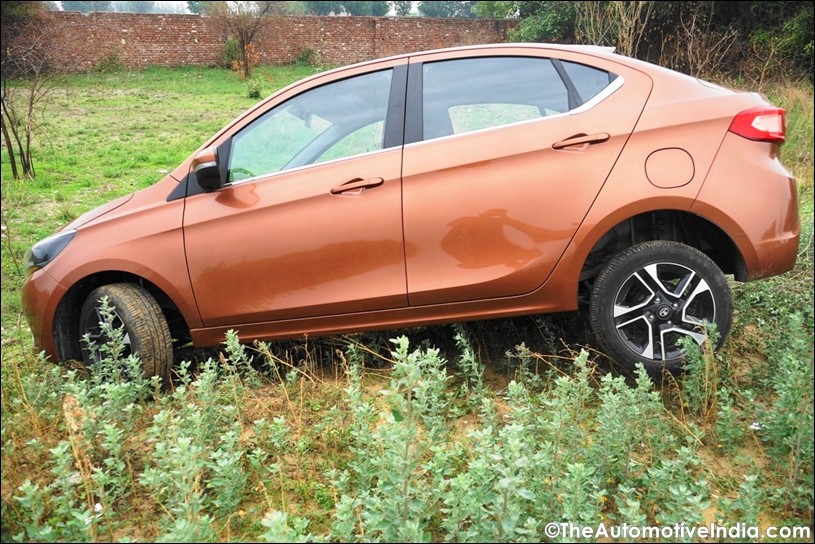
460 96
588 81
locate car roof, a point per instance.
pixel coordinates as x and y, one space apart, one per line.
577 48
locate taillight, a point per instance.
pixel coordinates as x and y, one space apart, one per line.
764 124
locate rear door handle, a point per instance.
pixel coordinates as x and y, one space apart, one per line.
357 186
584 140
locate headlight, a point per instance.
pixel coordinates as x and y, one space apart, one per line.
45 250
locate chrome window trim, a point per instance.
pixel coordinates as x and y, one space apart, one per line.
599 97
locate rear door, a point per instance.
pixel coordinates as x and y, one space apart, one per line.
504 155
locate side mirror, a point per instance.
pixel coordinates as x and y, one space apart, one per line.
207 170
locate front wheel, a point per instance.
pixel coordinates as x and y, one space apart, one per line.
652 295
146 333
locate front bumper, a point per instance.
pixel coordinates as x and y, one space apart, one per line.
40 297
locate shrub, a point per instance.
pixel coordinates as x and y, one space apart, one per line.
254 87
305 57
111 64
231 54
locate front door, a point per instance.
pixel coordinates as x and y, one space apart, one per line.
309 223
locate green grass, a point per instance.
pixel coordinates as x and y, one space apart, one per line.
505 428
107 135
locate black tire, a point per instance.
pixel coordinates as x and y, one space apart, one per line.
146 330
651 295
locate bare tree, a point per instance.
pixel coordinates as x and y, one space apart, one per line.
705 50
632 21
621 23
30 73
592 22
242 21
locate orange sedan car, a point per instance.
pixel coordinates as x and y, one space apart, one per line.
441 186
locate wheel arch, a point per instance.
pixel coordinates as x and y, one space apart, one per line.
674 225
67 316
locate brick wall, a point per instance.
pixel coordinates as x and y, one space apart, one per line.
141 39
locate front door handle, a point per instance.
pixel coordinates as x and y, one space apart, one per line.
357 186
583 140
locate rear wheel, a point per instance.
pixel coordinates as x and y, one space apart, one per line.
146 333
652 295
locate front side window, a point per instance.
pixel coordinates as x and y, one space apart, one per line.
330 122
472 94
